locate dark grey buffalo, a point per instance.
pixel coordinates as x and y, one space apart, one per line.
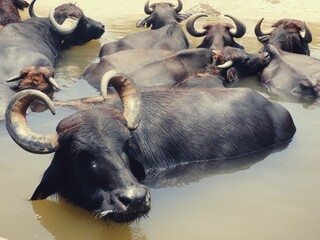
9 11
227 65
291 75
217 35
165 33
34 45
101 154
289 35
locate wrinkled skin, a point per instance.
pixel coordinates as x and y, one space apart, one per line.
9 11
291 74
99 163
166 32
286 36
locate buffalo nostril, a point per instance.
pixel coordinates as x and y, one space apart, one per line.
133 197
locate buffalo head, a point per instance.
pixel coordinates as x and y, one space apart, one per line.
69 21
236 63
39 78
217 35
162 14
291 75
92 172
289 35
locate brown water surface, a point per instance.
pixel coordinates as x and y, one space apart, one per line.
271 196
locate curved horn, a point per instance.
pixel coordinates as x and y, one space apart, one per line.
190 25
53 82
179 7
15 78
240 29
17 126
129 94
147 9
32 13
68 26
227 64
306 34
258 32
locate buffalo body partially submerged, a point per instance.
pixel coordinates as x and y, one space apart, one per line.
101 154
291 75
165 33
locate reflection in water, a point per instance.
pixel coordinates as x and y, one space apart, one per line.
66 222
193 172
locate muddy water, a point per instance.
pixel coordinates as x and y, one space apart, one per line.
271 196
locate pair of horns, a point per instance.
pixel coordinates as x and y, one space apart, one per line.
148 10
237 32
304 33
68 26
19 130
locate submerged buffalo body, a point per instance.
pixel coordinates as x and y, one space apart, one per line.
291 75
101 154
165 33
31 47
211 67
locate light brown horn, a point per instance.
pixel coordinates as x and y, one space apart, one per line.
306 34
147 8
179 7
128 93
190 25
68 26
18 128
227 64
240 29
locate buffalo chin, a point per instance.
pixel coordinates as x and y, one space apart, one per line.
127 217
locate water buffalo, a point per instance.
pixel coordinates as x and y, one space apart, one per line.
232 64
101 154
36 42
291 75
166 33
217 35
9 11
289 35
166 71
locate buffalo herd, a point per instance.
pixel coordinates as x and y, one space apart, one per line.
162 103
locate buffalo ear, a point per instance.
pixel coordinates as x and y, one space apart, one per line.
181 17
48 184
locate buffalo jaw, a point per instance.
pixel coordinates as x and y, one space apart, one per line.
18 128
